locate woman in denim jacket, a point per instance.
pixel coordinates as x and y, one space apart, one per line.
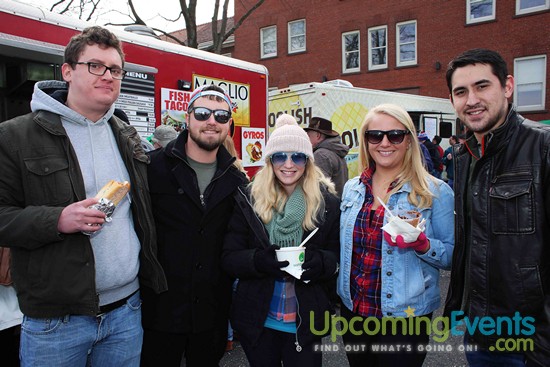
383 277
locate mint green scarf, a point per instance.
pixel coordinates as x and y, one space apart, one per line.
285 228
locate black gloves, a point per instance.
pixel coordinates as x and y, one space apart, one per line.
265 261
313 265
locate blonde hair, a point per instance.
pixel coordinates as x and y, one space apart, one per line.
229 144
268 195
413 169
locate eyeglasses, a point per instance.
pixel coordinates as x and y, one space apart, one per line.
394 136
100 70
280 158
203 114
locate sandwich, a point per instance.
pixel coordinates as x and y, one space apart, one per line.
114 191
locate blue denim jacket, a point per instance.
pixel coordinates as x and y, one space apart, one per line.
408 278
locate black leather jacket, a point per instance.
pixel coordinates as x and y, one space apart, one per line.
503 259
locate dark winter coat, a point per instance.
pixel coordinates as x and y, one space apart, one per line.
55 274
190 230
330 157
255 289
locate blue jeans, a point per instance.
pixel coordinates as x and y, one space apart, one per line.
111 339
484 358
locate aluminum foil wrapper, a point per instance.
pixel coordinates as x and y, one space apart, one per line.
107 207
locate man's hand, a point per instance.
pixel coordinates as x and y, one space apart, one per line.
78 217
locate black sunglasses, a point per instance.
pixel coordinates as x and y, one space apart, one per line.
394 136
280 158
203 114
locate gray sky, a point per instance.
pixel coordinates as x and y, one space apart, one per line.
149 10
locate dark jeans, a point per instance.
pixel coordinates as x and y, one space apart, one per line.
484 358
362 353
275 347
167 349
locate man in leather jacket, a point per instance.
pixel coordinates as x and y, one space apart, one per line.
501 264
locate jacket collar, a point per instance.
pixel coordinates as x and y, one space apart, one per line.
176 149
494 140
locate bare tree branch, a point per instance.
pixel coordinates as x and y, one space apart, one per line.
137 18
88 8
189 14
95 5
65 9
238 23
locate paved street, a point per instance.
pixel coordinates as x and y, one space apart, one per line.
454 358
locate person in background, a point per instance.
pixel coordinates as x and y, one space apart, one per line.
79 293
448 160
192 182
426 159
501 262
434 154
382 276
437 141
329 151
274 312
163 135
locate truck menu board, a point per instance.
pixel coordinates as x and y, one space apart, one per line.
137 99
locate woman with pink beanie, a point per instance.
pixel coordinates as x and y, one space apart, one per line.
275 313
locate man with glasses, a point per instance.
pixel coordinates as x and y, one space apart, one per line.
76 273
192 182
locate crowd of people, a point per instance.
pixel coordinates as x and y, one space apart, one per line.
196 242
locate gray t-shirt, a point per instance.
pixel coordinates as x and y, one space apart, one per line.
204 171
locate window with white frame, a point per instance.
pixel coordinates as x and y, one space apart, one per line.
297 36
530 80
268 42
529 6
480 10
406 43
378 48
351 58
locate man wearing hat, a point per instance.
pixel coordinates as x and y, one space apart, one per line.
192 182
329 152
163 135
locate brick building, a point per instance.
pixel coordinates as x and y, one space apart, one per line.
398 45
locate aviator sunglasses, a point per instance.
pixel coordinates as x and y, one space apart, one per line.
280 158
203 114
394 136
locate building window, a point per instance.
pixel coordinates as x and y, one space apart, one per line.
480 10
268 42
529 6
378 48
296 36
406 43
530 80
350 52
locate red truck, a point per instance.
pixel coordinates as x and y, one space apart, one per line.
156 89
